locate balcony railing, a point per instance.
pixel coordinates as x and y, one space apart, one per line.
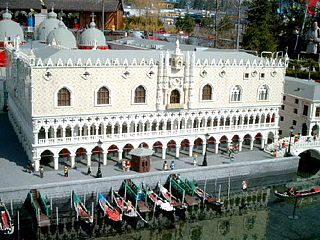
152 134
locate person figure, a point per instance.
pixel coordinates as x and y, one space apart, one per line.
165 166
89 170
66 170
29 167
313 38
41 170
124 165
195 161
172 165
128 166
294 43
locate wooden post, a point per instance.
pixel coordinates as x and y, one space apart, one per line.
136 203
229 187
204 190
219 192
92 209
11 205
125 191
57 216
215 187
183 195
71 199
111 195
18 216
84 199
51 202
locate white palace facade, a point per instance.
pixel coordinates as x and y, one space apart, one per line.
63 101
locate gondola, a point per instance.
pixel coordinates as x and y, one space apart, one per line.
159 202
176 203
39 206
113 214
128 210
204 196
294 194
6 224
81 211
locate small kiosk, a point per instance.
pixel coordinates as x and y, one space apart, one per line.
140 159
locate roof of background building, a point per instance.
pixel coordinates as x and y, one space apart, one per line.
62 37
92 36
46 26
302 88
45 52
9 29
69 5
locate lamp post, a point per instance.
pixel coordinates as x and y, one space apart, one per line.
99 173
204 162
289 147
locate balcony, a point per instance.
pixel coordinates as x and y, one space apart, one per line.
175 106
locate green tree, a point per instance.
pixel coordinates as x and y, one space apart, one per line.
185 24
225 24
262 30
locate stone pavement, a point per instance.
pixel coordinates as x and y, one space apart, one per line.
13 161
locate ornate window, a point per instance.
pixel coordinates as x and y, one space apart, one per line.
103 96
263 93
64 97
236 94
140 95
207 92
175 96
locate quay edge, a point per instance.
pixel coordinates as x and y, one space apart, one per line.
242 170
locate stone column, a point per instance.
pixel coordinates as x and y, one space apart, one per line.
190 150
88 159
262 143
56 162
216 150
72 158
120 154
177 151
240 145
204 148
46 135
104 158
35 137
251 144
36 163
164 149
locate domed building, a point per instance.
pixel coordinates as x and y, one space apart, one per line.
49 24
9 29
92 38
62 37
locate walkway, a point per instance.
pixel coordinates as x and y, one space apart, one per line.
13 161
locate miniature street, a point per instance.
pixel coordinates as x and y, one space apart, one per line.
13 172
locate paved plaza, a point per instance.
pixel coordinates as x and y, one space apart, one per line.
13 161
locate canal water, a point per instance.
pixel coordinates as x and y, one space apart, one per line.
271 222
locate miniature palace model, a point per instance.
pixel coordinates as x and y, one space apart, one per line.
63 100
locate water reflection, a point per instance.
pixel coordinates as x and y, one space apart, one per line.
250 225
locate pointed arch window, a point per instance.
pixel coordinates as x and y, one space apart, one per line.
64 97
140 95
236 94
207 92
103 96
175 96
263 93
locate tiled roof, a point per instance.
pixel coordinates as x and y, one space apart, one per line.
68 5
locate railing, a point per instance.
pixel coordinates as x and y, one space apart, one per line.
146 134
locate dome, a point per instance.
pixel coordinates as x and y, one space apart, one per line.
47 26
9 29
62 37
92 37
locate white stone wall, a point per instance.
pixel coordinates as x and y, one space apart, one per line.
83 92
